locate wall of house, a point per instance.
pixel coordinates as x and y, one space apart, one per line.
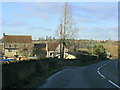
69 56
19 46
10 54
48 54
58 49
52 53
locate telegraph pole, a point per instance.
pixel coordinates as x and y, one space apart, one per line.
61 41
92 46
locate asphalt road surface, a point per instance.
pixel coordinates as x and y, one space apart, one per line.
100 75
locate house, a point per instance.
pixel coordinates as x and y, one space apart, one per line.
1 49
17 46
53 49
39 50
68 55
50 49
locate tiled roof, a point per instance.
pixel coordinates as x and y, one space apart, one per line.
41 46
17 39
52 46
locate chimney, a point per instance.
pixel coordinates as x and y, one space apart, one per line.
3 37
3 34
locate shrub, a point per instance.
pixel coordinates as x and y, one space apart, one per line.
100 51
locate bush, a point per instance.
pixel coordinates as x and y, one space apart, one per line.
100 51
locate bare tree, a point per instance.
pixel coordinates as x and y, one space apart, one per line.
66 30
26 50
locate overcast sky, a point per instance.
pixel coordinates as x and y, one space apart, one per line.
97 21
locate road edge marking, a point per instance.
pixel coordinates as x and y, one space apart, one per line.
113 84
105 77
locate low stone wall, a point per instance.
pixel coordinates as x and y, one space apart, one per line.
15 72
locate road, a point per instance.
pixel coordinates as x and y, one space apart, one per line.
100 75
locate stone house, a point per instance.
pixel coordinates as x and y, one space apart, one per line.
39 50
17 46
1 49
53 49
50 49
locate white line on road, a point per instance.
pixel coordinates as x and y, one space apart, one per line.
105 77
101 74
98 68
114 84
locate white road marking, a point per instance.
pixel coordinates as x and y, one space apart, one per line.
114 84
98 68
101 74
105 77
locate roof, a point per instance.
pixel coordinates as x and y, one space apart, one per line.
17 39
41 46
52 46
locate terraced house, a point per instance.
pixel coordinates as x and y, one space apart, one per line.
17 46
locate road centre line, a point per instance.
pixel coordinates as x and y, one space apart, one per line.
101 74
98 68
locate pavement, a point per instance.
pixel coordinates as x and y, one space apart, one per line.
100 75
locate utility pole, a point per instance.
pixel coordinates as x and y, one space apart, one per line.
3 45
64 32
61 42
92 45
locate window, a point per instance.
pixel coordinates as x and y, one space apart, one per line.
10 45
16 53
50 54
9 50
25 45
15 45
25 49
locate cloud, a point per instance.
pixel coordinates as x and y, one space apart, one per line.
18 24
85 12
83 28
100 11
39 28
14 24
44 10
95 19
21 15
84 20
0 21
99 32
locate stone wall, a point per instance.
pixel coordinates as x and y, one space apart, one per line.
15 72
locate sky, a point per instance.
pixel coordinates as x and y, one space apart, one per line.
95 20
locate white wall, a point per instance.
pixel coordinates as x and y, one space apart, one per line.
9 54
